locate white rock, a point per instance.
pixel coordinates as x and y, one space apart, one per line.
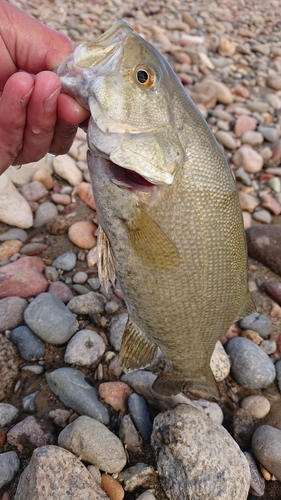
220 363
66 168
25 173
14 209
85 348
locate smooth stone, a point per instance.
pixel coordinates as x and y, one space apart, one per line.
62 291
50 319
81 289
94 283
9 466
248 201
82 234
226 139
93 442
244 124
248 158
117 328
51 274
111 307
11 312
60 417
28 402
14 209
257 322
112 487
264 243
23 278
80 278
223 93
115 394
275 184
259 106
44 213
9 248
85 348
61 199
270 203
219 363
14 234
65 167
140 415
242 175
243 428
24 175
42 175
274 81
198 457
255 139
33 248
276 154
8 413
65 261
266 444
85 192
250 366
92 257
147 495
30 347
37 369
129 435
257 485
34 191
278 373
29 434
88 303
54 473
9 366
262 216
273 290
268 346
257 406
72 389
269 133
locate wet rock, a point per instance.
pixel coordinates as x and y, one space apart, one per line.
8 413
30 347
62 291
112 487
250 366
65 261
50 319
34 191
90 302
94 443
54 469
257 485
257 322
266 444
66 168
85 348
14 209
75 392
140 415
264 243
115 394
11 312
257 406
272 289
186 442
82 234
9 370
30 433
9 466
44 213
243 428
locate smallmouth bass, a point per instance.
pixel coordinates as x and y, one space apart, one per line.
171 227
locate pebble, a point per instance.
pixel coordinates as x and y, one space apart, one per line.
33 248
30 433
11 312
264 243
8 413
268 346
85 348
266 444
272 289
56 473
223 93
140 475
274 81
82 234
28 402
251 335
9 466
23 278
243 176
94 283
250 365
146 496
66 168
37 369
140 415
92 257
58 225
93 442
257 485
278 373
117 328
14 234
262 216
129 435
275 184
30 347
42 175
80 278
248 158
219 363
14 209
75 392
113 489
89 303
115 394
257 322
60 417
248 201
226 139
51 274
62 291
244 124
81 289
44 213
276 152
85 192
255 139
34 191
65 261
269 202
61 199
9 248
186 442
257 406
9 369
111 307
269 133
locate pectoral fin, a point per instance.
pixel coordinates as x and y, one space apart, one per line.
151 244
136 350
106 266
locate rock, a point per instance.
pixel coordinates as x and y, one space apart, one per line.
8 413
223 93
11 312
94 443
62 291
264 243
248 158
257 322
80 278
147 495
140 415
139 476
186 442
272 289
92 257
251 335
34 191
81 289
61 199
262 216
117 328
30 347
72 389
57 473
9 466
257 406
269 133
111 307
44 213
66 168
244 124
14 234
66 261
115 394
29 434
250 366
259 106
51 274
266 444
255 139
28 402
14 209
9 361
82 234
248 201
58 225
24 175
89 303
33 248
60 417
276 152
37 369
226 139
85 192
268 346
274 81
257 485
50 319
42 175
9 248
243 428
219 363
129 435
85 348
112 487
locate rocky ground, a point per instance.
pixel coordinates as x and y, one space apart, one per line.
61 332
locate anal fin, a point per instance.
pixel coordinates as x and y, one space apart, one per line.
137 351
106 265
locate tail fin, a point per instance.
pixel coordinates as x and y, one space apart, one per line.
169 384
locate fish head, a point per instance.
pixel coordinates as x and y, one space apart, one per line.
127 84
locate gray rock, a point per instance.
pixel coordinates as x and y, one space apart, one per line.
72 389
51 274
30 347
14 234
50 319
81 289
8 413
11 312
278 373
9 466
89 303
266 444
80 277
140 415
85 348
37 369
129 435
243 428
66 261
29 434
250 365
94 283
257 485
262 216
44 213
117 328
111 307
60 417
56 473
28 402
147 495
94 443
269 133
257 322
139 476
198 457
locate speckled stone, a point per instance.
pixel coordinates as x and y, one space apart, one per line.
85 348
257 406
11 312
8 413
9 466
257 322
266 444
219 363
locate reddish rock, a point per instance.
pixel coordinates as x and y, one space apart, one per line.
274 291
267 201
61 199
245 123
85 192
34 191
9 247
61 290
113 489
82 234
248 158
29 434
23 278
264 244
274 81
115 394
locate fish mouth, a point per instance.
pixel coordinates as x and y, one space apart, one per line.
125 177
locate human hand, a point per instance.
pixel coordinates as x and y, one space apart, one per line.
34 117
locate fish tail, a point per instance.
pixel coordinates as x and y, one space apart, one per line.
169 384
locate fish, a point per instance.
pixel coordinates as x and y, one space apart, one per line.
170 224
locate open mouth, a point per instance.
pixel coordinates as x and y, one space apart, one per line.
128 178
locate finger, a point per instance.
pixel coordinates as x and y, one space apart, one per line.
16 94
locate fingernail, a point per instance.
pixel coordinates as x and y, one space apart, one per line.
50 102
25 99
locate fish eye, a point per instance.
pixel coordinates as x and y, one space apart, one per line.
145 76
